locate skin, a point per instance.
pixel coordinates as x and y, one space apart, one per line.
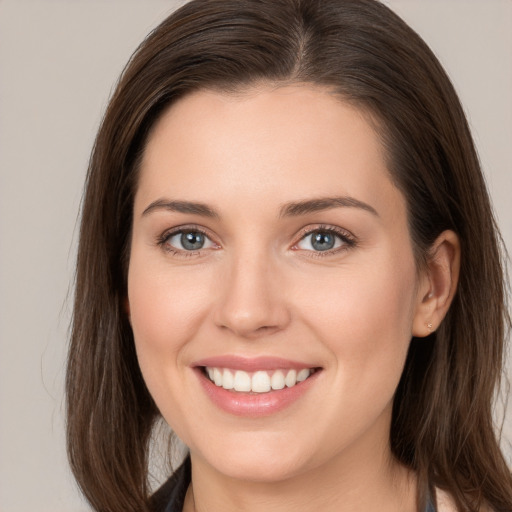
259 288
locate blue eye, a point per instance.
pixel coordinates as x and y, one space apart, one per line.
189 240
321 240
192 241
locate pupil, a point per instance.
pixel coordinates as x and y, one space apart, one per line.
192 240
322 241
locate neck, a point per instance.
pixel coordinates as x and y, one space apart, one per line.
359 481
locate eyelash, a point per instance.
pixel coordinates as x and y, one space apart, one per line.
163 239
348 240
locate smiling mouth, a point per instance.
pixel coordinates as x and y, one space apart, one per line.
260 381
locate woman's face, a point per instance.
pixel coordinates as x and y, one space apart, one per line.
270 246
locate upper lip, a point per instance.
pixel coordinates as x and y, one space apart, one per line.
251 364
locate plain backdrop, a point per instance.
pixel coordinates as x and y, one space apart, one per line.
58 63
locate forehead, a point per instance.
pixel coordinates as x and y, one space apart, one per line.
279 143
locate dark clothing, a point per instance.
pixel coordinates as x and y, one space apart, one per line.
170 497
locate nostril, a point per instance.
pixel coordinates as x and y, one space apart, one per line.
266 329
259 332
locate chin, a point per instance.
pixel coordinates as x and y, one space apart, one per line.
263 460
259 470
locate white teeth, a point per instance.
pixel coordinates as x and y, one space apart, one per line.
242 381
228 381
260 382
303 375
291 378
217 377
277 380
257 382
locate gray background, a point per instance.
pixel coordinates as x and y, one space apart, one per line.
58 63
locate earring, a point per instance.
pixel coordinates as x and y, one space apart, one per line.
429 326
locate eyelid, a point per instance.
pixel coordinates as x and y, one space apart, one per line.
348 239
163 238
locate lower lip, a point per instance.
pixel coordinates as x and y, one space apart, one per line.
255 405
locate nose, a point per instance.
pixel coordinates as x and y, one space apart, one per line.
252 299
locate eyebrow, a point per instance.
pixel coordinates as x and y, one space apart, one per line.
182 207
294 209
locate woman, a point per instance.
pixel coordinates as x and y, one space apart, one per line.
287 251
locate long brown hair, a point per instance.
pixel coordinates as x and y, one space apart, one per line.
442 423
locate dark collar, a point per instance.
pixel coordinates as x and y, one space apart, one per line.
171 496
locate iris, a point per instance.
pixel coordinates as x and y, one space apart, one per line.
322 240
192 240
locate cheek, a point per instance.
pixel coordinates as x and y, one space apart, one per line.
166 310
364 315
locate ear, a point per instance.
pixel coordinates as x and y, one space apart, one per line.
438 284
